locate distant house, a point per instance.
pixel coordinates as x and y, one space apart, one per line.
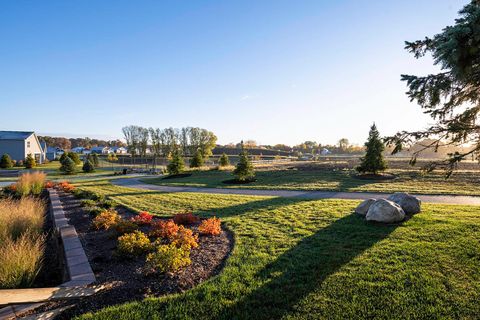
100 150
325 152
18 144
119 150
52 153
78 149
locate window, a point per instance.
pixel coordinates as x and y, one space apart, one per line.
28 144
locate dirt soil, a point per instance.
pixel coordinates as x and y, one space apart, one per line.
123 278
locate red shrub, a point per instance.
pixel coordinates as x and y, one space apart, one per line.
185 238
49 184
165 229
210 227
66 186
143 218
185 218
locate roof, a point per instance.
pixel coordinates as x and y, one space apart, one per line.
15 135
98 148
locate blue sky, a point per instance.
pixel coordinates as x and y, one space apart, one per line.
274 71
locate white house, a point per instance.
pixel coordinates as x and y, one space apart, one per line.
100 150
119 150
18 144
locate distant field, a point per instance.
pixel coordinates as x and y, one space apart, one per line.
338 176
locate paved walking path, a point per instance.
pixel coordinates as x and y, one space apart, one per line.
447 199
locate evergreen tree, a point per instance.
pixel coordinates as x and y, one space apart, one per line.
6 161
177 163
93 157
373 160
30 162
68 166
88 166
224 161
74 156
197 160
244 170
63 157
451 96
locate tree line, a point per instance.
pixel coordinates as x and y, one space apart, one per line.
69 143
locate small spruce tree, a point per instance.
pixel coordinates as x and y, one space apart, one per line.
68 166
74 156
373 161
224 161
6 161
94 159
63 157
197 160
177 163
88 166
244 171
30 162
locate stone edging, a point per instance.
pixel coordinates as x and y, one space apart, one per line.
78 271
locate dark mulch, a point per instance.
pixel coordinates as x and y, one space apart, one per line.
383 176
177 176
122 277
235 181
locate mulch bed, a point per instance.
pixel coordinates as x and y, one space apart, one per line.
122 277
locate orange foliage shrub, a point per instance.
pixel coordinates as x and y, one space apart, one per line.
143 218
106 219
185 238
185 218
66 186
210 227
165 229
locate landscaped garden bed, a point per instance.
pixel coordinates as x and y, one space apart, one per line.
122 248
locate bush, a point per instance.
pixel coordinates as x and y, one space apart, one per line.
19 163
94 211
164 229
68 166
49 184
197 160
244 169
88 203
66 186
17 217
177 164
143 217
63 157
185 238
75 158
125 226
94 159
6 161
210 227
108 204
30 183
30 162
168 258
224 160
187 218
134 244
88 167
106 219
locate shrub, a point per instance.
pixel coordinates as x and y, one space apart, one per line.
6 161
88 167
125 226
108 204
224 161
94 159
177 163
30 183
134 244
197 160
19 163
37 180
63 157
143 218
74 157
164 228
244 169
30 162
187 218
88 203
49 184
68 166
18 217
185 238
210 227
168 258
66 186
20 261
106 219
94 211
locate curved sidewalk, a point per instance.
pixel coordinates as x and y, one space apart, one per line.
446 199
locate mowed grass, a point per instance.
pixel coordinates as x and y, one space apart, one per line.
304 259
412 181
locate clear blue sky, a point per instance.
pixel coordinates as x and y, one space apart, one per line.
273 71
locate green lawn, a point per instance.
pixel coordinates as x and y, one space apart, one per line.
463 182
304 259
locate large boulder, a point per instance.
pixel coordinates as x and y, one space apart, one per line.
409 203
363 207
386 211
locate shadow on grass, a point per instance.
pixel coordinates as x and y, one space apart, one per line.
303 268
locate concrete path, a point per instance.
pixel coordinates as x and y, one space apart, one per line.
447 199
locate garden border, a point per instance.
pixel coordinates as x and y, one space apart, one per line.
77 276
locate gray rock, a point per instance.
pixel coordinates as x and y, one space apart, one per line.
385 211
409 203
363 207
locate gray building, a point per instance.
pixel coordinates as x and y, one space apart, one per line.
18 144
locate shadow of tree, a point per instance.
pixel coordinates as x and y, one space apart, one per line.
303 268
